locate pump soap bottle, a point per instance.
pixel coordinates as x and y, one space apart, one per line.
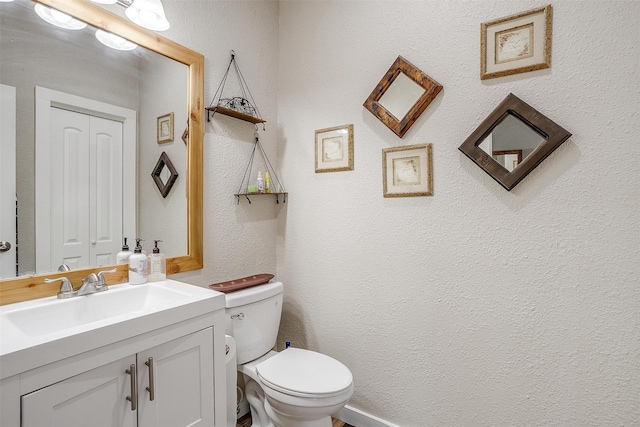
138 265
124 254
157 265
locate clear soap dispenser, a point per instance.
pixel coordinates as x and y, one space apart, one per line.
157 264
138 265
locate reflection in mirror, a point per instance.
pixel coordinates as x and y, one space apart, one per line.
508 159
401 96
164 174
143 79
76 64
510 142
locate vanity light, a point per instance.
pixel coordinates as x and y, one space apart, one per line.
113 41
57 18
148 14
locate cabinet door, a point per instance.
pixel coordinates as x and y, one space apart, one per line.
180 375
94 398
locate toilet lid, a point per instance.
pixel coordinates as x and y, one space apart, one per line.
298 371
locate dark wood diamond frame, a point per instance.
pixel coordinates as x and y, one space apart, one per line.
553 135
163 162
400 126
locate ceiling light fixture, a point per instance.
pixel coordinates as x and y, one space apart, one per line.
148 14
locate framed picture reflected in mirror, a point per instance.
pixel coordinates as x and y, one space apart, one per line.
164 174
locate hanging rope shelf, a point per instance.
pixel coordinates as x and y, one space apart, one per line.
268 186
240 107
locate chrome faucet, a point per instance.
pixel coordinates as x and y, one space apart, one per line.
89 285
66 288
92 284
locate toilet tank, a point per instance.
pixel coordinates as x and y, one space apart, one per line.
252 318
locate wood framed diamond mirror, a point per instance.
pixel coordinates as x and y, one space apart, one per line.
512 141
401 96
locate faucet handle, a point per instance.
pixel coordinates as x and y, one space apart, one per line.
102 285
66 288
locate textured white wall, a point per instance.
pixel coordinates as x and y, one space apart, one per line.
476 306
239 239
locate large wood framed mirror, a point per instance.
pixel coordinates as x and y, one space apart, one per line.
512 141
402 96
189 254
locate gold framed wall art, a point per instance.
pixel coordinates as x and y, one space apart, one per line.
407 171
165 128
334 149
516 44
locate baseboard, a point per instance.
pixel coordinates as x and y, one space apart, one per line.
358 418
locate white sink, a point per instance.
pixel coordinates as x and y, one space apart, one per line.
38 331
51 315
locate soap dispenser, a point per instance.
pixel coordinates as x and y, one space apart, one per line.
124 254
157 264
138 265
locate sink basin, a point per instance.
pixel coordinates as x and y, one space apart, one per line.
54 315
34 333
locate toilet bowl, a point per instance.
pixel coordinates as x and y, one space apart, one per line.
292 388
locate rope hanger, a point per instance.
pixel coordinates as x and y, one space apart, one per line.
244 104
257 146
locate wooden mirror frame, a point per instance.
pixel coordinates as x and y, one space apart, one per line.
30 287
402 125
553 136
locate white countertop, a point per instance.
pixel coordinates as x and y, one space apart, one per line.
34 333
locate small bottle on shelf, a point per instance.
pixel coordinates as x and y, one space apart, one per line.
267 182
260 182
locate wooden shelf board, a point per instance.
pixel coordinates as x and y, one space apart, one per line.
235 114
258 194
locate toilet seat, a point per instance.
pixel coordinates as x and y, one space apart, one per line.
305 373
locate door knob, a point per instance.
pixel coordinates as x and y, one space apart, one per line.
4 246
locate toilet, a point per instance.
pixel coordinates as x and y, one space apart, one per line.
291 388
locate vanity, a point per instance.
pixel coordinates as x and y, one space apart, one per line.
137 355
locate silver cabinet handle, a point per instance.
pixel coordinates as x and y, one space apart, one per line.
151 388
134 387
239 316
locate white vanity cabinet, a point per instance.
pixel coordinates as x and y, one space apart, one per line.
93 398
173 386
163 365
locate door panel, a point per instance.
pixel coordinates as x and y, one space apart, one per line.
106 191
96 398
7 181
183 378
85 189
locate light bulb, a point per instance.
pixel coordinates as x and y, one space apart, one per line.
148 14
57 18
114 41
